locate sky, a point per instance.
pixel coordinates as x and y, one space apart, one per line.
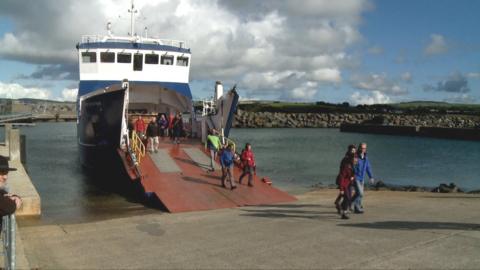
356 51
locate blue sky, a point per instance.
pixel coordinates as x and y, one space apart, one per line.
358 51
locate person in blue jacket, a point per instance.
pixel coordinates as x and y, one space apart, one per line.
361 169
227 161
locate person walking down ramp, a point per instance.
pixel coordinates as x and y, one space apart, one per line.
140 127
213 144
248 162
152 135
162 126
351 151
361 168
227 160
177 128
345 180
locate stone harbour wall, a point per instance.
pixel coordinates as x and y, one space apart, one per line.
245 119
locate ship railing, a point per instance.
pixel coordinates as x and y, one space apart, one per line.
9 227
208 107
138 148
227 141
137 39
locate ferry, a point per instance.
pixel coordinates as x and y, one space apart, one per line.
123 78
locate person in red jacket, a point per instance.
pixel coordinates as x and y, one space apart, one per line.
248 162
345 179
140 127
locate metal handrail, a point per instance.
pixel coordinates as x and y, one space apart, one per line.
138 147
229 141
9 227
159 41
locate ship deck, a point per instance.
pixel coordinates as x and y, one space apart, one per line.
178 175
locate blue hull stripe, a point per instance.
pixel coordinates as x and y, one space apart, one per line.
86 87
133 46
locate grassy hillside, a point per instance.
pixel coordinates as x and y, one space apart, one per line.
324 107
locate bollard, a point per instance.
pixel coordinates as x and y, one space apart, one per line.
23 149
8 127
14 144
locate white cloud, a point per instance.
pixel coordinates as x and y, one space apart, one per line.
15 91
327 75
407 77
437 45
454 83
473 75
379 83
376 50
304 92
375 97
461 98
231 41
69 94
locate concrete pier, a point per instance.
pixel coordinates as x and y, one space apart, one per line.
399 230
18 181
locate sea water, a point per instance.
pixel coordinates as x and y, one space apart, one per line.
295 159
298 159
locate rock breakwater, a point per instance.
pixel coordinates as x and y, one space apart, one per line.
246 119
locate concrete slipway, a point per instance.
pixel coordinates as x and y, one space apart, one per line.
399 230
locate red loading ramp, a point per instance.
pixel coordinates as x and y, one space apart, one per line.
192 188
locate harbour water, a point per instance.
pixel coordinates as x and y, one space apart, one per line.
295 159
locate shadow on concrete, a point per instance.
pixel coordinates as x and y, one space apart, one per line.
297 206
453 197
287 213
212 176
200 181
415 225
191 162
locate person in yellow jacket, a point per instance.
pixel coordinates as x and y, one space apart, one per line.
214 144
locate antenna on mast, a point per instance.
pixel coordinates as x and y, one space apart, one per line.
109 28
132 11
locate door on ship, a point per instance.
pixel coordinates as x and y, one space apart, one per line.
137 62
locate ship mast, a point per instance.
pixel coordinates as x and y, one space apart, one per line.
132 11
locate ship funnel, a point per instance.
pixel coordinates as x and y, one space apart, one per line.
218 90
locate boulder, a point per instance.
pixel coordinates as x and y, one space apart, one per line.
380 185
444 188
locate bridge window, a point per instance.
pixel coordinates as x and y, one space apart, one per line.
138 62
124 58
107 57
182 61
167 60
151 58
89 57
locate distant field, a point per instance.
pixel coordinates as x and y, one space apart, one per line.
439 105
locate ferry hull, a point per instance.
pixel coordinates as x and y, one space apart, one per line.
99 128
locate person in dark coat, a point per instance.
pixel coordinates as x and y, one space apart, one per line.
162 125
152 135
9 203
177 128
345 178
